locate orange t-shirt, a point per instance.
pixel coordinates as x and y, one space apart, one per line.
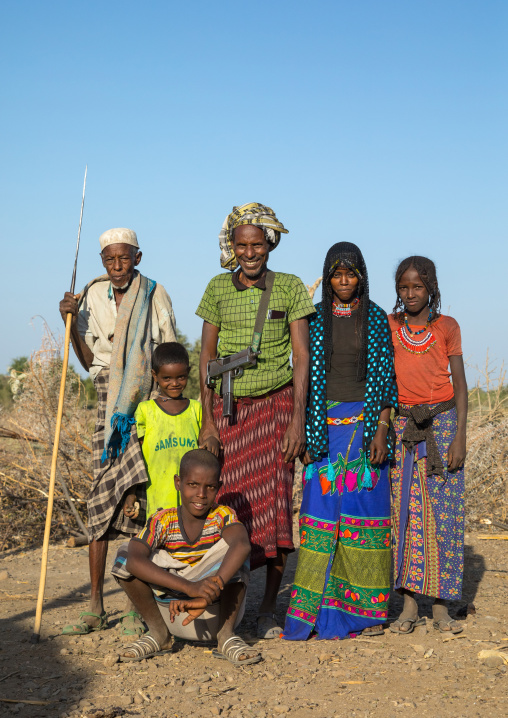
425 378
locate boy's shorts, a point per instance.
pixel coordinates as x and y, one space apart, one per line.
206 626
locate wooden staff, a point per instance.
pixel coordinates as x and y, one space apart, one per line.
47 529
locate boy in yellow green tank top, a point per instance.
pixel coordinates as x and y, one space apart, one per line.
168 427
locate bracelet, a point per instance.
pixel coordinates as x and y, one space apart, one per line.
384 423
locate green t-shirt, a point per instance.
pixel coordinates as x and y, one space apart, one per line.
234 312
166 439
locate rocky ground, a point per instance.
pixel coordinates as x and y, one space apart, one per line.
425 673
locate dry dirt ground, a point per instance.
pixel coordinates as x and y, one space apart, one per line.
390 675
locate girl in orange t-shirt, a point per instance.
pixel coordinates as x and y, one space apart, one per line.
427 474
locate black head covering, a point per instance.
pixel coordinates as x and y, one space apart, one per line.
347 255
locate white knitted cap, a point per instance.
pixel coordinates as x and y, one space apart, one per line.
120 235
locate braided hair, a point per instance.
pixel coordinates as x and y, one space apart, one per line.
427 272
346 254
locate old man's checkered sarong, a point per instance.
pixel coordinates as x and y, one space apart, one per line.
113 478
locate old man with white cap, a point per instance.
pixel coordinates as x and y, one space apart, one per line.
119 318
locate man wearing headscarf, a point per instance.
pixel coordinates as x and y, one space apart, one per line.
260 443
118 320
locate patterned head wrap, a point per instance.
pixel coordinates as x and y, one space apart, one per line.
348 255
252 213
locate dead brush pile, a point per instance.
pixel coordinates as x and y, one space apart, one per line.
27 433
487 448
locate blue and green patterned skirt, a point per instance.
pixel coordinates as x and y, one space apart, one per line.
428 515
343 575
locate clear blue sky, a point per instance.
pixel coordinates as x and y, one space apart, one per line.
382 123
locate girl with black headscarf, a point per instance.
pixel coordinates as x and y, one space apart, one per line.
343 575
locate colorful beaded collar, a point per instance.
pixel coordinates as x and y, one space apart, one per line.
407 337
344 310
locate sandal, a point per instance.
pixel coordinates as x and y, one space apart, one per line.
82 627
267 633
439 626
145 647
373 631
233 648
396 626
134 630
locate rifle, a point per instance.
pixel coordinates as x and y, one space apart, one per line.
232 366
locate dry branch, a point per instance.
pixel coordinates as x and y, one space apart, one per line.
9 434
311 288
500 525
22 700
30 428
487 446
75 541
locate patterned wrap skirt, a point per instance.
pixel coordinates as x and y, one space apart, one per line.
342 580
113 478
257 483
428 516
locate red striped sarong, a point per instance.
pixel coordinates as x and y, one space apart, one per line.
257 483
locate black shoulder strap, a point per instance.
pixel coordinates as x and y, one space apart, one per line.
262 311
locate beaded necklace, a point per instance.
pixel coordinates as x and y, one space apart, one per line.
420 331
406 337
344 310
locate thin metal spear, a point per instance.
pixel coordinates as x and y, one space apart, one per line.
47 529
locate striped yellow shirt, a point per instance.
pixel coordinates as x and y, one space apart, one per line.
165 530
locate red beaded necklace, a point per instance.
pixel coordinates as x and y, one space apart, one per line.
406 337
344 310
